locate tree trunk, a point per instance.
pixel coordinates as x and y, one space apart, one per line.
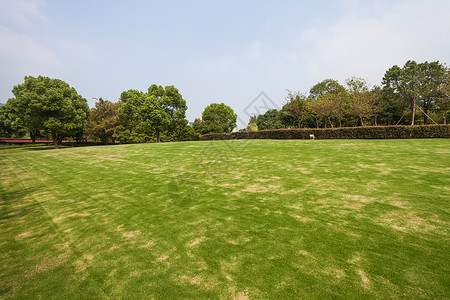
445 118
55 140
413 112
376 121
362 122
331 124
157 136
317 123
33 137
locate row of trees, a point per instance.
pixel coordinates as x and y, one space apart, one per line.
415 88
50 108
156 115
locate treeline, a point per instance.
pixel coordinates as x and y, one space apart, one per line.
49 108
416 89
139 117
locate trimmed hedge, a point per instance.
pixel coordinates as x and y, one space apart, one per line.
367 132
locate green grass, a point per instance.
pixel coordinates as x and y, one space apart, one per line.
227 219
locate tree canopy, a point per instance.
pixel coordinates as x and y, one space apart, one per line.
48 106
158 110
103 121
216 118
416 84
271 119
324 87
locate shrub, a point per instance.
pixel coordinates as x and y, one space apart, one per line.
367 132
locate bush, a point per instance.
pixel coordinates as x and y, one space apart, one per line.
367 132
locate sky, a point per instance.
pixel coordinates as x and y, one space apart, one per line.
246 54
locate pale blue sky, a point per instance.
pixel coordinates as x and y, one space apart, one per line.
227 51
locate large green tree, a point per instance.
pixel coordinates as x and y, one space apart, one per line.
295 113
325 87
443 102
50 106
159 110
327 101
362 101
5 122
271 119
418 84
216 118
432 77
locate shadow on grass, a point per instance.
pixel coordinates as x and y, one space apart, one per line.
5 291
39 147
12 204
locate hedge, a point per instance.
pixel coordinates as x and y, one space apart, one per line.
367 132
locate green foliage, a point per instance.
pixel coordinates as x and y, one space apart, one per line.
5 123
253 119
271 119
137 134
443 101
362 101
296 111
327 106
367 132
216 118
48 106
183 133
157 111
416 83
103 121
252 127
392 108
324 87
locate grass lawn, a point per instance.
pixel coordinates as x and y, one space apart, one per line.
227 219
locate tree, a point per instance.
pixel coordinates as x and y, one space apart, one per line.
252 119
10 124
5 123
362 101
443 101
326 100
50 106
416 83
328 106
295 110
252 127
271 119
392 108
103 121
158 110
216 118
432 77
183 133
324 87
131 129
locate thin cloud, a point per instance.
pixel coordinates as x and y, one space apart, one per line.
22 13
367 45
